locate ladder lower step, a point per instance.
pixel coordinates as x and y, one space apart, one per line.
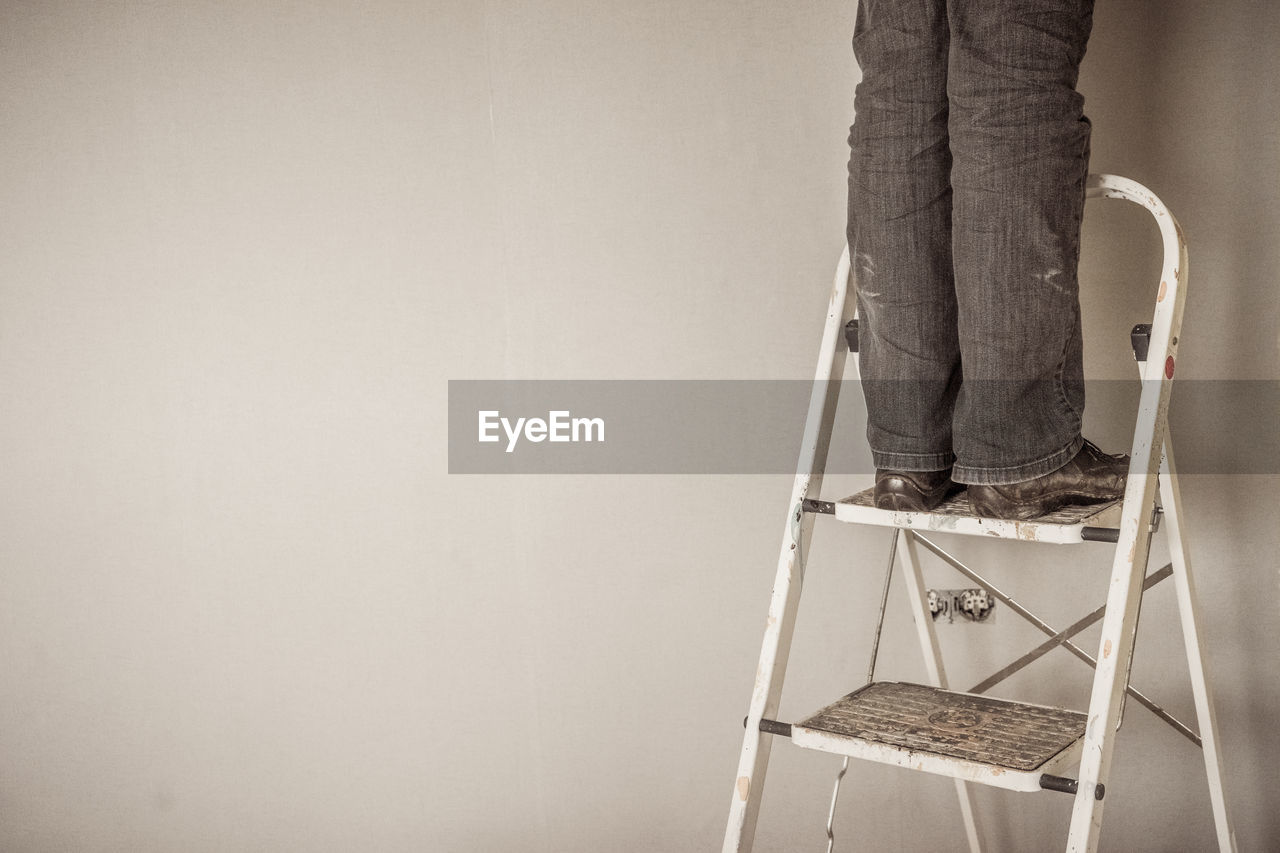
992 741
1068 525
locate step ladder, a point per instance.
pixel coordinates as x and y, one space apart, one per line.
966 735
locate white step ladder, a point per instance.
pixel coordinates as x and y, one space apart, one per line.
965 735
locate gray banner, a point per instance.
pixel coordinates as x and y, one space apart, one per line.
755 426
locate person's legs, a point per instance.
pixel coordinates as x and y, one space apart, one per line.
966 188
1020 144
900 233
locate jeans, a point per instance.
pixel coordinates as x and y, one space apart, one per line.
969 153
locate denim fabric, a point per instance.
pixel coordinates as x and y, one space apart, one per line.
969 155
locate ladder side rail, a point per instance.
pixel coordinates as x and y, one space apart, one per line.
1129 566
765 697
927 633
1189 613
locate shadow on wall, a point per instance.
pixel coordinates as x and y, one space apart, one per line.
1183 98
1180 101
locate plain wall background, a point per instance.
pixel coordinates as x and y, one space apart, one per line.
243 606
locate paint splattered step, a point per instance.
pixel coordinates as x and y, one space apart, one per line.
977 738
1069 525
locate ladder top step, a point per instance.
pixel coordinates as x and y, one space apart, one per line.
1068 525
992 741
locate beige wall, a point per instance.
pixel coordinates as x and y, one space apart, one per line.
242 604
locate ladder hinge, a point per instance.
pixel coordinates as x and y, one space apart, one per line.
1140 338
771 727
1068 786
851 334
821 507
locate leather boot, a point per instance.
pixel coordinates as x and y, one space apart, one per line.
913 491
1090 477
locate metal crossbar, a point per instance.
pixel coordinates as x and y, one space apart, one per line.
1063 635
1059 638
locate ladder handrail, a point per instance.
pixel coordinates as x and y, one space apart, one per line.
1124 596
1173 274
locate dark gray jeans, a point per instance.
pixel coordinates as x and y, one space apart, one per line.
966 186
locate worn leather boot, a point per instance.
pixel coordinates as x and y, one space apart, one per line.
913 491
1090 477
